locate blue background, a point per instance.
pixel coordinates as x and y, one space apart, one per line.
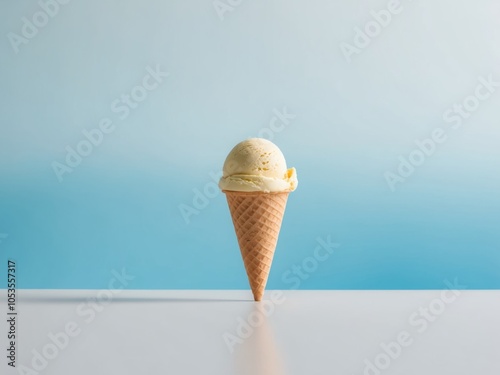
121 206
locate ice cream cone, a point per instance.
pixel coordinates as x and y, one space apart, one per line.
257 218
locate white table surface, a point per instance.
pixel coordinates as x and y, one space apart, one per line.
309 332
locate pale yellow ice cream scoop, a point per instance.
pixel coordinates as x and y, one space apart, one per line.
257 164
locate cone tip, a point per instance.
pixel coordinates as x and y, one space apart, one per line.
258 297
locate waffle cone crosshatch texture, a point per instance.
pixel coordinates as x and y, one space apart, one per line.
257 219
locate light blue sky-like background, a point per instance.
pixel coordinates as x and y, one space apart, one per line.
120 207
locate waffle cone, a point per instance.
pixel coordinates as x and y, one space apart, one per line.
257 221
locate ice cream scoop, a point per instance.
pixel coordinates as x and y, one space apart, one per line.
257 183
257 164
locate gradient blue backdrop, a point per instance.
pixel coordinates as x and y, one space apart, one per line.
120 207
